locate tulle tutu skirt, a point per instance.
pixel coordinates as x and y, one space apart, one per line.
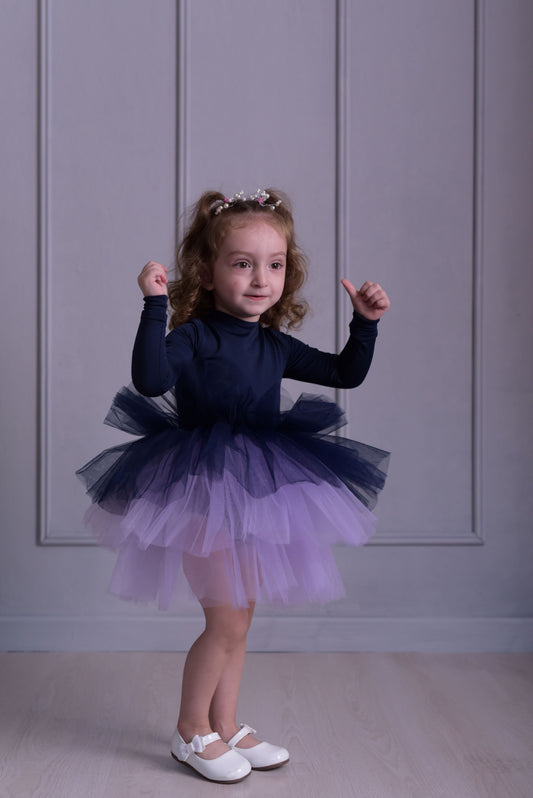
246 514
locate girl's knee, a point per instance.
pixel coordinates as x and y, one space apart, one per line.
228 625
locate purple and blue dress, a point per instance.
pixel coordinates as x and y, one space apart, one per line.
222 486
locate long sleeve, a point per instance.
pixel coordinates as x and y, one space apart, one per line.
158 359
345 370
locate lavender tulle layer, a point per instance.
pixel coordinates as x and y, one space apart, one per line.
244 513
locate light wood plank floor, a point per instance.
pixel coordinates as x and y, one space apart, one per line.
97 725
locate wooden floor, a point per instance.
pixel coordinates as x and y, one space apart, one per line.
366 725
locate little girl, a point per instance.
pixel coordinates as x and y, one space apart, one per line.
244 498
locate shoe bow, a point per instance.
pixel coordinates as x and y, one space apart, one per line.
196 746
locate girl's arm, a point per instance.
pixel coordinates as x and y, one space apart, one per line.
350 367
158 359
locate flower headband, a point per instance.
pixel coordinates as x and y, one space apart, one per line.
260 196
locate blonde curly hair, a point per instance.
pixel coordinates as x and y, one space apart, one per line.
200 247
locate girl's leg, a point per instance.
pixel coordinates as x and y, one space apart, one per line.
223 709
208 659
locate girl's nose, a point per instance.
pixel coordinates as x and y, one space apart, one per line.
260 276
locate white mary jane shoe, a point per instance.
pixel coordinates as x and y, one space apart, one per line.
228 768
263 756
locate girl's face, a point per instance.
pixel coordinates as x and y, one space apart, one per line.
249 273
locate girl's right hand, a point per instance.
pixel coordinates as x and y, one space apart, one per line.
153 279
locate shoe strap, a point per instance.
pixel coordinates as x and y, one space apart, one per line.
196 745
243 731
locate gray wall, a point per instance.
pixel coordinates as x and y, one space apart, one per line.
402 132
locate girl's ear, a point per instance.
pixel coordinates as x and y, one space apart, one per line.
206 278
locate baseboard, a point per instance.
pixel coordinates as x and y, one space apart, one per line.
175 633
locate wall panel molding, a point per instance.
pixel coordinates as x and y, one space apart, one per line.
47 534
461 537
472 536
182 193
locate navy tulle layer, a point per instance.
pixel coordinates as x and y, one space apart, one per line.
247 514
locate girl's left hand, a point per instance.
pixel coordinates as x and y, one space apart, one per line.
370 301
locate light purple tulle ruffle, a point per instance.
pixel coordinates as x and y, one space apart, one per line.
245 515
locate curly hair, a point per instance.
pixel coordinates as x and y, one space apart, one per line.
200 247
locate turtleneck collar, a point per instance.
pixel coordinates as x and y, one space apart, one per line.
232 323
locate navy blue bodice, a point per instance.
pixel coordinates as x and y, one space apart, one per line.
230 370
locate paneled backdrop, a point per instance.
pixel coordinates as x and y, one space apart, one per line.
403 134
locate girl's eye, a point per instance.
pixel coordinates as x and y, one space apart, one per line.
242 264
276 266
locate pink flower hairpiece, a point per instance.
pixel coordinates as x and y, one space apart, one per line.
260 196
